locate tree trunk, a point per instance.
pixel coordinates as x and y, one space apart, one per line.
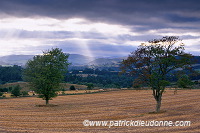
47 101
158 105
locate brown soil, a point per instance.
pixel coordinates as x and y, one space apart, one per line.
67 113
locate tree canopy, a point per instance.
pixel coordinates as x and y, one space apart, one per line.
45 72
16 91
154 60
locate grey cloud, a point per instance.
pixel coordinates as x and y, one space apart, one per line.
147 15
96 48
51 34
184 37
144 37
129 12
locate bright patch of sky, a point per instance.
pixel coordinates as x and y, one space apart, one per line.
13 42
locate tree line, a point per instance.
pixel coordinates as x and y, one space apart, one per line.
104 78
10 74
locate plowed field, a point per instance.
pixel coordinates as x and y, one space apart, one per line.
23 115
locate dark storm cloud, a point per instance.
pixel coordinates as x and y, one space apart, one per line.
181 19
129 12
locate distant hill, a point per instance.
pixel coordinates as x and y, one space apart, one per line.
77 59
15 59
197 59
3 63
106 61
21 60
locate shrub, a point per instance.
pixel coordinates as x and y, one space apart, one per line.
184 81
24 93
10 89
3 89
72 88
63 89
16 91
1 93
90 86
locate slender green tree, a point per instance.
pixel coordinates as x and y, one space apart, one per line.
154 60
45 72
16 91
90 86
184 81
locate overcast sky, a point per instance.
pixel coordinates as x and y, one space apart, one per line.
100 28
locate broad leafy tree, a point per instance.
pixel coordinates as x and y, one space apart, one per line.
45 72
152 62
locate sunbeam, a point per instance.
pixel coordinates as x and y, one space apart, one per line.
83 44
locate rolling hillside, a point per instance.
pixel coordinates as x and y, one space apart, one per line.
106 61
15 59
74 59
